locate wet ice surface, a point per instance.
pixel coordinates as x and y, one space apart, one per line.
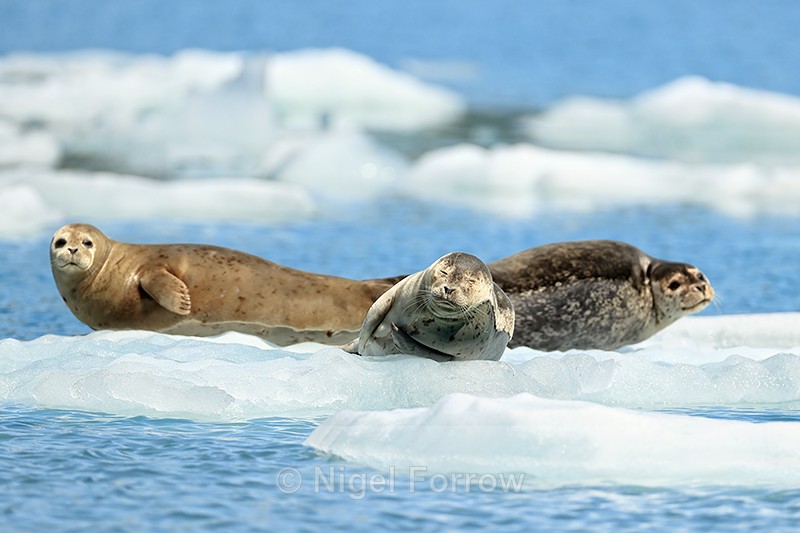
237 377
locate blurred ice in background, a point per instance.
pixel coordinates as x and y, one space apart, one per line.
272 110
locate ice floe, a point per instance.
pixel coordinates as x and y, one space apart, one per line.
523 178
236 376
690 119
565 443
345 88
27 148
34 199
344 164
203 112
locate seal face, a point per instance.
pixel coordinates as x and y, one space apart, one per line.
452 310
191 289
596 294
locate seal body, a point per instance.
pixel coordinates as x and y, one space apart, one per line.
596 294
190 289
452 310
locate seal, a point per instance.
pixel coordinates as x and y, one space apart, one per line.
596 294
452 310
191 289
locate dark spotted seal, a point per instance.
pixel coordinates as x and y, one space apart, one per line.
596 294
452 310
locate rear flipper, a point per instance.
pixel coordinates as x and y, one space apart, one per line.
351 347
407 345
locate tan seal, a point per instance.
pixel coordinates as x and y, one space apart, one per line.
452 310
191 289
596 294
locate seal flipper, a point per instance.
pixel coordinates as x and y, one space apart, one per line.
408 345
504 319
351 347
168 290
373 323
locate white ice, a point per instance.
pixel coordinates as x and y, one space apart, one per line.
232 377
524 178
71 89
301 173
35 200
27 148
351 89
565 442
690 119
200 111
344 164
305 118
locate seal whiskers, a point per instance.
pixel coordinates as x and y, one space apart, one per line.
596 294
448 311
195 289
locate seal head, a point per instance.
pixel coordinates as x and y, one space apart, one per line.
75 250
678 290
456 283
452 310
596 294
196 289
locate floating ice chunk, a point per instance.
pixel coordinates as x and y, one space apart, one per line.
143 114
523 178
343 163
756 332
341 87
563 443
691 119
33 148
80 195
199 112
91 88
23 211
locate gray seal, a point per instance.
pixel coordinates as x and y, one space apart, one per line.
596 294
452 310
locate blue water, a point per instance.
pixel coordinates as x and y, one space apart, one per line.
510 53
72 470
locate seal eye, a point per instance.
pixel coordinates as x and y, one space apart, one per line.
443 272
700 276
87 243
60 243
674 285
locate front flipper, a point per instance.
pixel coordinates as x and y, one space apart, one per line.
408 345
168 290
371 327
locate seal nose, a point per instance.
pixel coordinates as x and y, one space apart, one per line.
73 250
448 291
701 287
